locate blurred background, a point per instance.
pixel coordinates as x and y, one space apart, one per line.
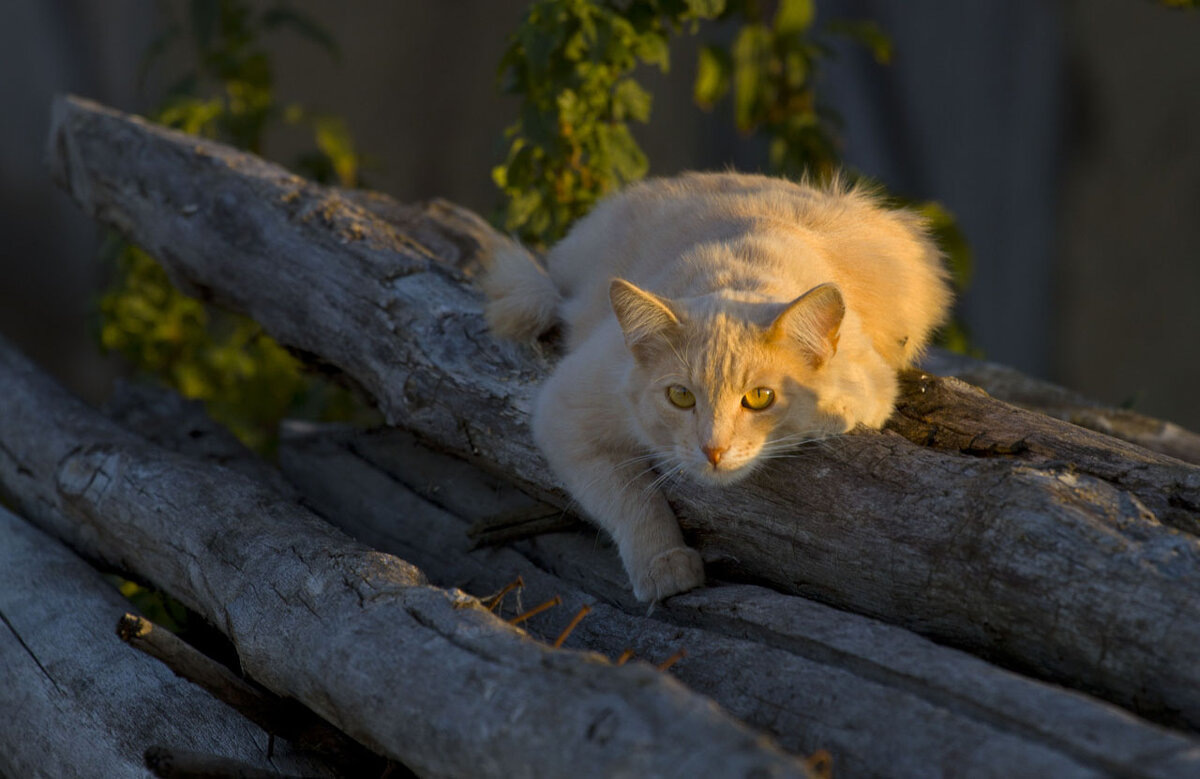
1065 137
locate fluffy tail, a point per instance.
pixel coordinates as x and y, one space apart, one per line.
522 299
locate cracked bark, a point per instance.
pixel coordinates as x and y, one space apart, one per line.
1047 549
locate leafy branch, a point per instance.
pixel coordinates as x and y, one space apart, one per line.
246 379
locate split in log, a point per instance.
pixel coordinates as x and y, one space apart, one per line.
1026 557
423 675
78 702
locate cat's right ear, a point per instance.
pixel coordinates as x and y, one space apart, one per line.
813 321
647 320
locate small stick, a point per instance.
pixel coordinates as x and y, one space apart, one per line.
527 529
625 656
579 615
273 714
254 703
495 599
517 620
673 659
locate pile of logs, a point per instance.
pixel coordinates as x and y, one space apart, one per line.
984 588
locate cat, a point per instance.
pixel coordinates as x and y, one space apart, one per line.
713 320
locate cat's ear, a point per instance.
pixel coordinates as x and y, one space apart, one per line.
647 320
813 321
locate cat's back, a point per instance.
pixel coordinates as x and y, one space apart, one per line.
804 235
641 232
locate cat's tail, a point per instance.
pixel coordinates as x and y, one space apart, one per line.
522 299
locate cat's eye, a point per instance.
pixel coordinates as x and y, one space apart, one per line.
758 398
680 396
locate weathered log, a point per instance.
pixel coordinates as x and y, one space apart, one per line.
423 675
1030 560
882 700
1014 387
78 702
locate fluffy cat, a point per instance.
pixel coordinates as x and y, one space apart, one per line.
712 321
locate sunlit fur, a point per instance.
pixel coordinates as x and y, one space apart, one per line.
700 281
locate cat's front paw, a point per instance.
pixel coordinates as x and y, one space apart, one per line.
668 573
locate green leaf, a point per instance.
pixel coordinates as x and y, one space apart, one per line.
631 101
867 33
334 139
521 208
794 16
795 69
714 70
705 9
751 58
626 158
652 49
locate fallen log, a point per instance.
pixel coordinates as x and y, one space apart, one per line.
881 700
423 675
78 702
1032 560
1014 387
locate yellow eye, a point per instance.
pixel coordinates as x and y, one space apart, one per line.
758 398
680 396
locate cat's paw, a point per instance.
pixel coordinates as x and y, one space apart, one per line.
668 573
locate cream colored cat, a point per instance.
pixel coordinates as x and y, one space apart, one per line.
713 320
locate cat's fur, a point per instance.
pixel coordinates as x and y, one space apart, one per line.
720 284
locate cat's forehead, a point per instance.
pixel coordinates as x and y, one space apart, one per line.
723 349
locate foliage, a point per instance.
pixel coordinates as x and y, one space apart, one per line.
572 63
248 381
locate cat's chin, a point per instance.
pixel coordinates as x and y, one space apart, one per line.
722 477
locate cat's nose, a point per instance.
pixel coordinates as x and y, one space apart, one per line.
713 453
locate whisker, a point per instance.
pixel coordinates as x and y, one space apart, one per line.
663 478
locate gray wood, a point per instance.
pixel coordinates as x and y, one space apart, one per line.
417 673
76 701
882 700
1014 387
1061 569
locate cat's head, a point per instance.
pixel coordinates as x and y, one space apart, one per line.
722 385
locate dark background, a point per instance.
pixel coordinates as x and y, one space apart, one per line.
1064 135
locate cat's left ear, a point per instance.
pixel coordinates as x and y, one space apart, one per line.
646 319
813 321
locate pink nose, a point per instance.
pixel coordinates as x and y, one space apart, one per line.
713 453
